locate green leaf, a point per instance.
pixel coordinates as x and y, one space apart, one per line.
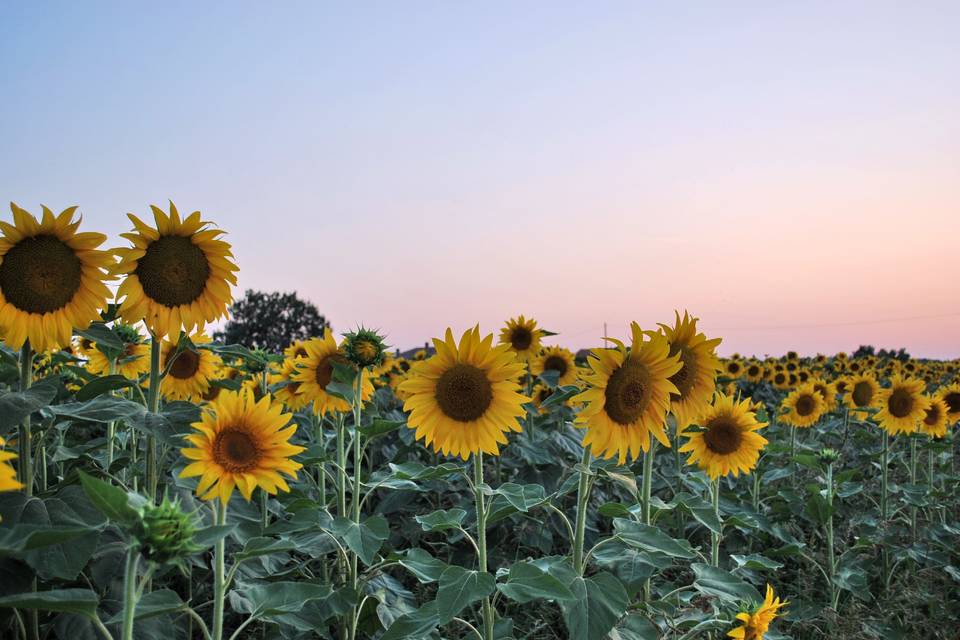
418 471
701 510
635 627
256 547
442 519
522 497
459 588
17 405
422 565
27 537
208 536
102 335
364 539
651 538
100 386
756 562
273 598
415 625
80 601
596 606
527 582
110 500
723 584
380 427
153 604
100 409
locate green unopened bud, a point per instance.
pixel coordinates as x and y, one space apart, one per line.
828 456
165 532
259 363
127 333
364 348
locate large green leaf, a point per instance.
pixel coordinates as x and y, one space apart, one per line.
364 539
100 386
415 625
79 601
100 409
110 500
522 497
17 405
272 598
527 582
422 565
722 584
651 538
459 588
256 547
597 605
442 519
153 604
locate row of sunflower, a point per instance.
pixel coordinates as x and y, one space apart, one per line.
461 397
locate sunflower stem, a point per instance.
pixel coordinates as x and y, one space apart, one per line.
111 426
355 494
482 539
130 592
646 489
715 536
831 560
26 435
913 480
219 583
885 502
583 498
153 406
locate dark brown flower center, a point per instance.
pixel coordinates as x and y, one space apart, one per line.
900 403
325 369
235 450
174 271
555 363
733 367
841 386
753 371
806 405
628 392
463 392
185 364
684 379
543 394
40 274
722 436
953 401
521 338
780 378
862 393
933 415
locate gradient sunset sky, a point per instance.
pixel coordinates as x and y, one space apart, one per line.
788 172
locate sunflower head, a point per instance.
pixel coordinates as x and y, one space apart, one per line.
934 422
522 336
51 278
754 624
559 362
177 274
628 395
727 440
696 379
803 407
862 391
189 370
241 443
364 348
902 405
464 399
951 398
165 532
316 370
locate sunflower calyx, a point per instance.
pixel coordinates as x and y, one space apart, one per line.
828 456
364 348
165 532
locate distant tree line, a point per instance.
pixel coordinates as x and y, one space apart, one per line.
271 321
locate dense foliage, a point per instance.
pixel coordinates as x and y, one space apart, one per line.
271 321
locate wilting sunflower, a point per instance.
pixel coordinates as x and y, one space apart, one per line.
51 278
902 405
951 397
8 476
628 395
804 407
862 391
556 359
756 623
242 443
827 391
289 394
464 399
315 372
131 364
178 275
728 441
696 379
189 372
522 336
934 422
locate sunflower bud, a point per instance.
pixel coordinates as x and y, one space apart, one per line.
165 532
828 456
128 333
364 348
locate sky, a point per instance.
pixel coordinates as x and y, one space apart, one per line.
787 172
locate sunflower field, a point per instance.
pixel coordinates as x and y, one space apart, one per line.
157 484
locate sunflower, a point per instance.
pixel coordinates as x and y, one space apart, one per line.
556 359
862 391
803 406
841 385
189 372
242 443
754 372
464 399
934 422
728 441
522 336
733 368
951 397
541 393
51 278
132 363
8 476
628 395
223 374
902 405
178 275
295 350
827 391
780 379
755 624
315 372
289 394
696 379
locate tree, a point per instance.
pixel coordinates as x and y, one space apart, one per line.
271 321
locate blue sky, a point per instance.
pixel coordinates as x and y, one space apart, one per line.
418 165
